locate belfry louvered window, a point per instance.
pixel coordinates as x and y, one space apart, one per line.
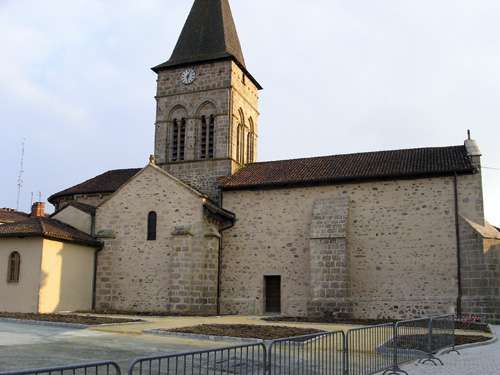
240 146
178 139
14 267
251 143
207 145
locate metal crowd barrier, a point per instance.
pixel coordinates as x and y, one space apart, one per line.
366 349
362 351
96 368
441 336
243 359
443 330
311 354
411 340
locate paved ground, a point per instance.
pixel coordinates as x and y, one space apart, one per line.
30 346
178 322
482 360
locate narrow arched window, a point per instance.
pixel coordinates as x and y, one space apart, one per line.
204 138
240 138
250 147
207 144
241 141
211 137
175 140
251 143
238 143
14 267
182 140
152 219
178 139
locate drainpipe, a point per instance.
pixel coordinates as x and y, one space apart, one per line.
94 280
96 254
459 257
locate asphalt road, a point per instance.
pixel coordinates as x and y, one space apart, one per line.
24 346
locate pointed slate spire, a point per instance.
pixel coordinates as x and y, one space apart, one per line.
209 34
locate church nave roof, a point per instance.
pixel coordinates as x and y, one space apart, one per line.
379 165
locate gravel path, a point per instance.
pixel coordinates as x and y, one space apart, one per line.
482 360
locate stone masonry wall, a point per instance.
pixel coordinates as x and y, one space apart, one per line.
401 247
201 175
177 273
330 294
480 263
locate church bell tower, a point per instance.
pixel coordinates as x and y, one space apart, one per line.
207 102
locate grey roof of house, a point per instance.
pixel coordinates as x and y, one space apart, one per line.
209 34
105 183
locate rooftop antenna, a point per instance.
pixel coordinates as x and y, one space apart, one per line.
20 175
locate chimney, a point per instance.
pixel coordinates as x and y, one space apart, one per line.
38 209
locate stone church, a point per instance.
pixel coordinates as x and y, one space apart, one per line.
204 228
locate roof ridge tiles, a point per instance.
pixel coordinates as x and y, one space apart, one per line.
356 154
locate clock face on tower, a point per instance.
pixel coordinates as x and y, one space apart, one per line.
188 76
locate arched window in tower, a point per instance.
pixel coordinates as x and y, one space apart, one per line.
14 267
211 137
182 140
251 143
152 221
207 142
204 138
175 140
240 146
178 139
240 139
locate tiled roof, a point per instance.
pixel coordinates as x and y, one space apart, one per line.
107 182
422 162
8 215
47 228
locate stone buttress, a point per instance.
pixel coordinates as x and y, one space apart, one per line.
329 261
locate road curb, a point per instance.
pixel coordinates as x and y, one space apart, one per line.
46 323
474 345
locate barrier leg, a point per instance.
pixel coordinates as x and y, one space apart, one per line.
431 358
395 369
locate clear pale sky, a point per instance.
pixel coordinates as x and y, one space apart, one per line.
339 76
